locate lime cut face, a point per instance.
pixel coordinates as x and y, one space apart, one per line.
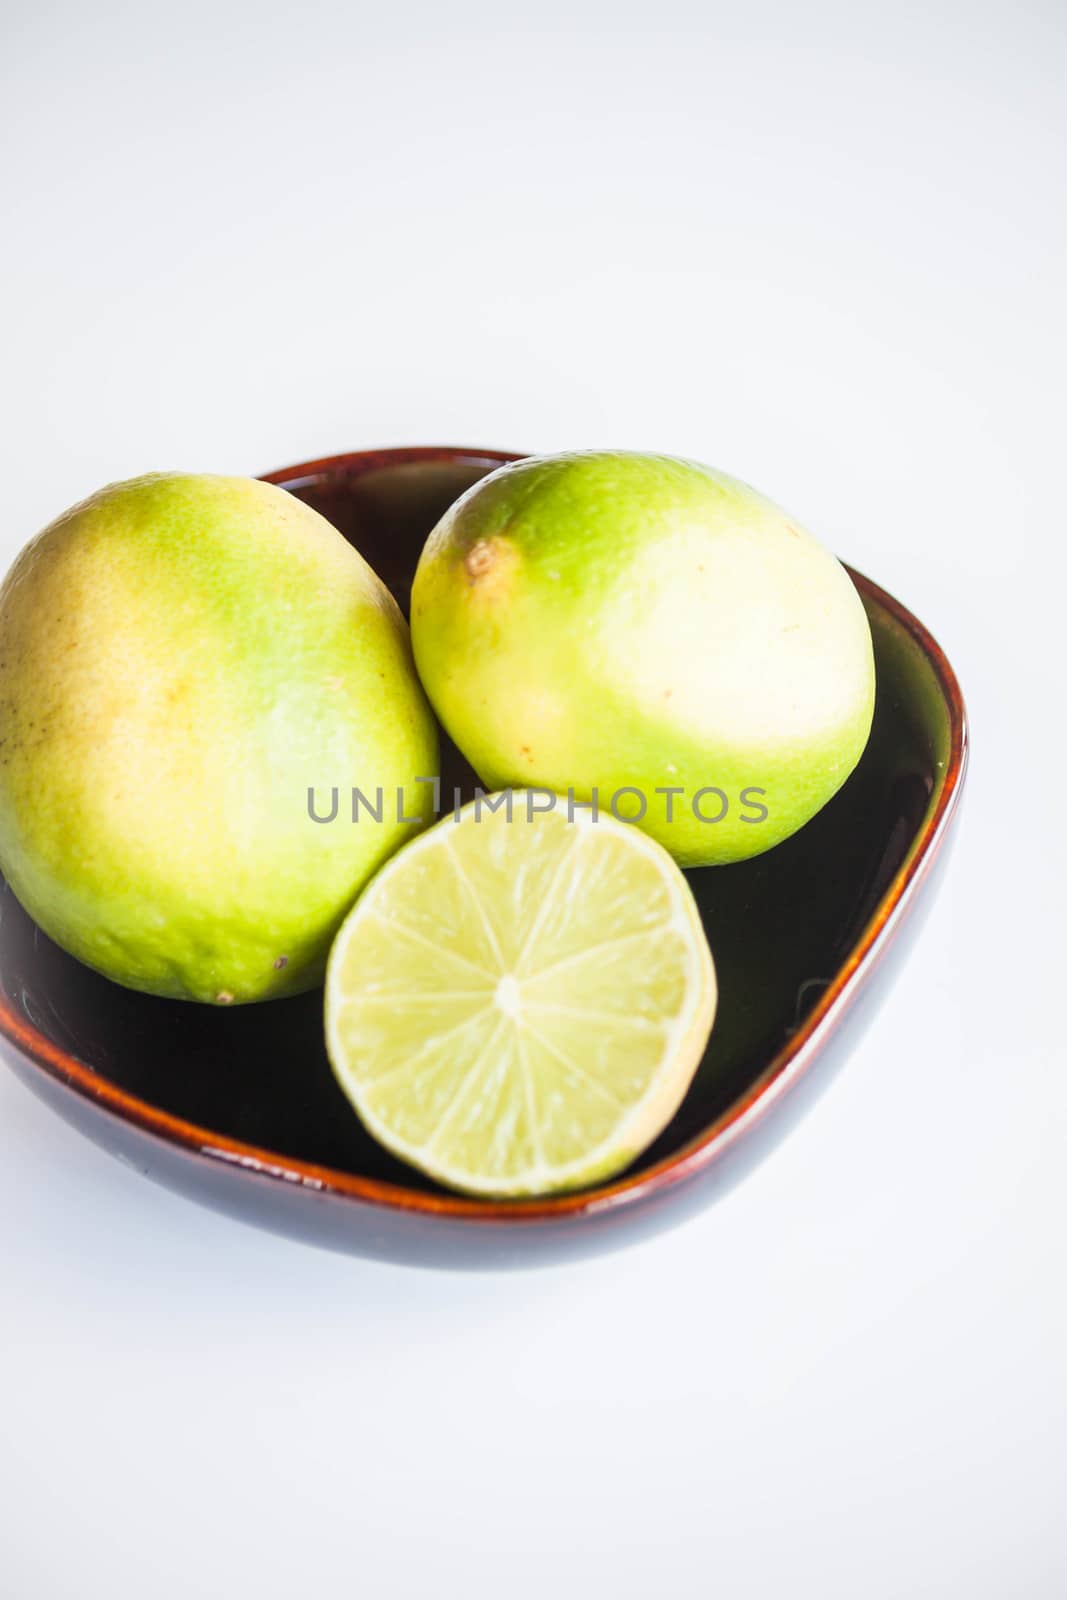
517 1005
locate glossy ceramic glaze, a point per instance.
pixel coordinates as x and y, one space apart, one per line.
239 1109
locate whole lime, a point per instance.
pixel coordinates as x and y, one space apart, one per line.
649 634
193 670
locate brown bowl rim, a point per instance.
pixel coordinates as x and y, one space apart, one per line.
786 1067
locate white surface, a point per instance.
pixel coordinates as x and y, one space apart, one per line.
820 246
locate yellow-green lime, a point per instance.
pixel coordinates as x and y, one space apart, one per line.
651 633
182 659
517 1004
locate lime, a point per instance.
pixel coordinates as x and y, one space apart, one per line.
190 669
519 1000
603 621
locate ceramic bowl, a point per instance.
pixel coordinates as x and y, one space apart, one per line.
239 1108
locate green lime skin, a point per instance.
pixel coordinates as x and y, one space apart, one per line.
609 620
182 658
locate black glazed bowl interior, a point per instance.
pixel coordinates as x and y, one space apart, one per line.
239 1108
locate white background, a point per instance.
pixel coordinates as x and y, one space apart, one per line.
823 247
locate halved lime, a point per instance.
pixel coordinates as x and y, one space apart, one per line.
517 1004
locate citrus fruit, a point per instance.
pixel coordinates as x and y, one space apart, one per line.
606 621
182 658
517 1004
